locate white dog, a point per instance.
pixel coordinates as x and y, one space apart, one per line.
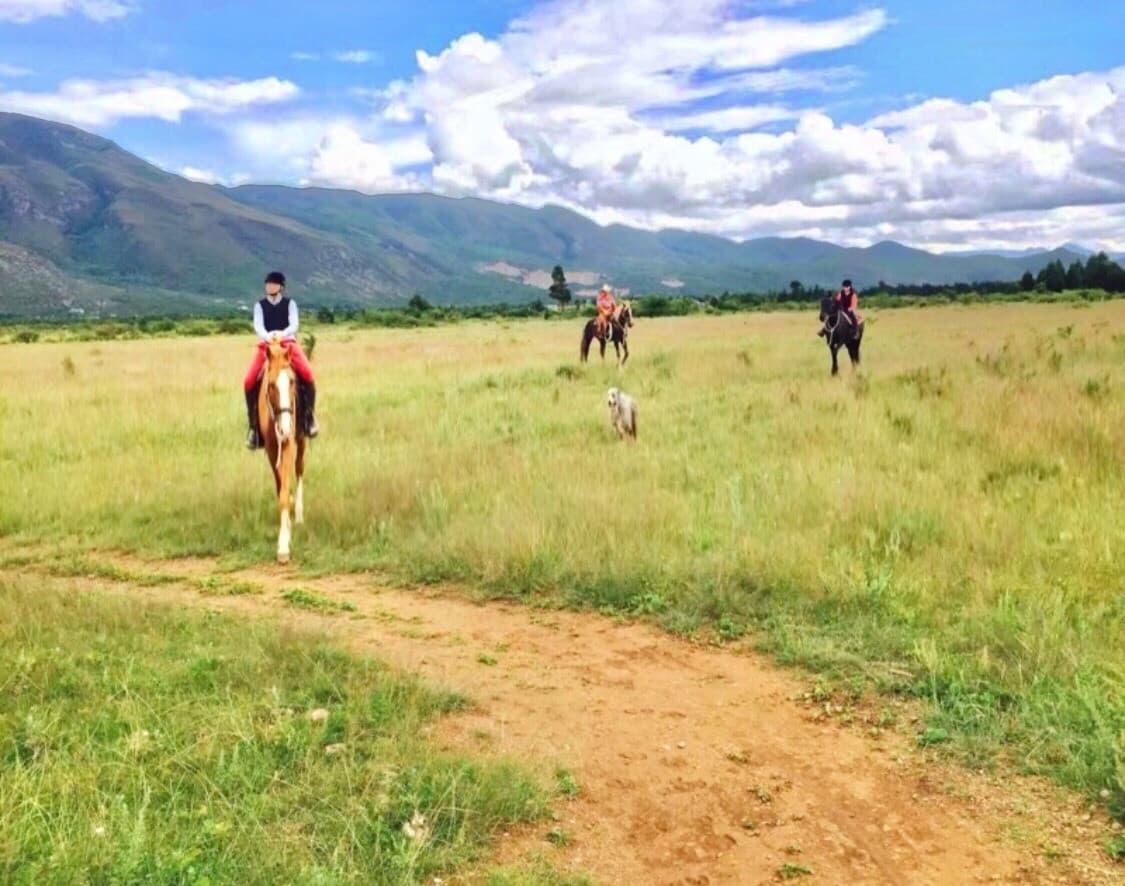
622 413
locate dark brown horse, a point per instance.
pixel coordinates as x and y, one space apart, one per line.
619 326
840 332
283 434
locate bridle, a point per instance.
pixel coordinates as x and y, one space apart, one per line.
623 320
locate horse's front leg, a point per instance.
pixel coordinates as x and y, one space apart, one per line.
625 348
835 363
284 532
299 495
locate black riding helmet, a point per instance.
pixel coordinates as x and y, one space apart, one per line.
847 283
276 277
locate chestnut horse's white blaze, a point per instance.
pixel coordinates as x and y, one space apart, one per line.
284 407
278 408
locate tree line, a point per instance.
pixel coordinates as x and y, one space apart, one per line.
1099 272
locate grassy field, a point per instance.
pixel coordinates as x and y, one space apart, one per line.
142 745
947 525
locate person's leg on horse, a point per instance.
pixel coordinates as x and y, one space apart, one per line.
300 364
250 388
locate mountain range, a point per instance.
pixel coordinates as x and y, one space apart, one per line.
87 228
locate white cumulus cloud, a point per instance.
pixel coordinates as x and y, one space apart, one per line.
344 159
651 113
23 11
357 56
210 177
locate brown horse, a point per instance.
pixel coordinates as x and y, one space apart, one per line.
619 325
284 438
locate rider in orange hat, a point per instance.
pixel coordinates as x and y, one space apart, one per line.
607 306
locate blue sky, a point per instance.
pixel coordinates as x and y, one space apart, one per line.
718 115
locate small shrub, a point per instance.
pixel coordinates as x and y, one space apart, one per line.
568 784
1097 388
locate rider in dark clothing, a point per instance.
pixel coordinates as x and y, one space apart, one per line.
847 300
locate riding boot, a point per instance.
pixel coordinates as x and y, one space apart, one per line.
253 438
308 395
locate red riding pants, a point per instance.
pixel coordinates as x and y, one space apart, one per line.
296 359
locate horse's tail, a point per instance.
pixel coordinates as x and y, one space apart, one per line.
584 350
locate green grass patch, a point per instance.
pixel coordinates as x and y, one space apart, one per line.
145 744
567 784
538 872
1116 848
315 602
218 586
80 567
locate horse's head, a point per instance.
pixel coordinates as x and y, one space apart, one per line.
827 307
625 315
281 388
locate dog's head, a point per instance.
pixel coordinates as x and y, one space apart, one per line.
612 397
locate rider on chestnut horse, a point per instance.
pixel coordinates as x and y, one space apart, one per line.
276 314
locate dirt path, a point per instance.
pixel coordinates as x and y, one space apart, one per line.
696 765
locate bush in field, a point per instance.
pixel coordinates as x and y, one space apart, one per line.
196 328
232 326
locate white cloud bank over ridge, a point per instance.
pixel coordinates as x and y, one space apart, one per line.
156 95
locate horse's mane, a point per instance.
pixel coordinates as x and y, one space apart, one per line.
277 352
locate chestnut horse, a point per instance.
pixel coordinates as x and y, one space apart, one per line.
284 437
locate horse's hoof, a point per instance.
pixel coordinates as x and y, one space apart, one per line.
283 559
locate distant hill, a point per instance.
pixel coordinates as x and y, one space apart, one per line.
86 226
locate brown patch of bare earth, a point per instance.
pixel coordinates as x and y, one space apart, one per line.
696 765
